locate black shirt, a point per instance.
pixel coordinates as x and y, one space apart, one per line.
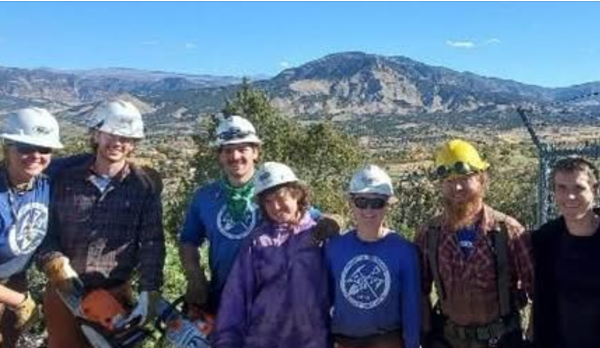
578 290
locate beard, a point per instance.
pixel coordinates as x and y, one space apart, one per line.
462 214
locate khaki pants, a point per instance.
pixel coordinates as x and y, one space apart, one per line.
9 335
62 326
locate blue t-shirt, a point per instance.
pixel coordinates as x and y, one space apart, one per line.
376 286
466 239
208 219
23 224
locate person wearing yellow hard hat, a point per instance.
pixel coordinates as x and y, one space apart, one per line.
478 258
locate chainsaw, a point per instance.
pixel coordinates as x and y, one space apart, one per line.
102 319
190 330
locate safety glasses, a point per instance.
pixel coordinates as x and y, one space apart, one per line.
369 203
27 149
234 134
459 168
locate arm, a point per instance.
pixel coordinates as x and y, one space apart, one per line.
50 247
411 299
523 259
151 244
233 318
10 297
191 238
426 279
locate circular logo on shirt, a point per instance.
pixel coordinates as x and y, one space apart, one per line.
29 229
365 281
236 229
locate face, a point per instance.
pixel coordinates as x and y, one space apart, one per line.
461 189
113 148
282 206
237 161
369 209
575 195
25 161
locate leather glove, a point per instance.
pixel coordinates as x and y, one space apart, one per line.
327 227
62 276
27 313
145 309
197 290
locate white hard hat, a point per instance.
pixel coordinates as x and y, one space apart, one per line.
120 118
33 126
272 174
371 179
235 130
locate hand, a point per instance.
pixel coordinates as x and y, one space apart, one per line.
61 275
197 290
27 313
327 226
145 309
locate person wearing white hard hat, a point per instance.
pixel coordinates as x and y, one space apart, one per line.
224 214
29 136
106 226
277 293
374 272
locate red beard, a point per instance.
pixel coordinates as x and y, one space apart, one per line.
460 215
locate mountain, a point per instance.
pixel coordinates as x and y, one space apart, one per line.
56 88
394 92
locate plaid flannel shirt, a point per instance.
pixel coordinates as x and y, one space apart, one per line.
107 236
470 284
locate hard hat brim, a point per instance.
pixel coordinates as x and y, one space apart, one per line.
27 139
253 139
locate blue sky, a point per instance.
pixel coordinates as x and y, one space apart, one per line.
549 44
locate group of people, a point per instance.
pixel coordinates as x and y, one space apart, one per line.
282 274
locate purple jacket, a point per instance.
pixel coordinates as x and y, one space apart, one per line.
276 295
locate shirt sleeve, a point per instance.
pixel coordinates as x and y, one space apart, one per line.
411 299
521 249
236 303
151 244
426 278
194 231
50 247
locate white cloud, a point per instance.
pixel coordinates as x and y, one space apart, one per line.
460 44
150 43
492 41
284 64
190 46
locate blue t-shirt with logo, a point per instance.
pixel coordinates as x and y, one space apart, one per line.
23 224
376 286
208 219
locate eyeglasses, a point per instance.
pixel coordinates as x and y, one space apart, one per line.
27 149
369 203
460 168
234 134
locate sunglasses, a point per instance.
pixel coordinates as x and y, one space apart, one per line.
234 134
27 149
369 203
459 168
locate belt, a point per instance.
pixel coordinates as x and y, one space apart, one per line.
484 333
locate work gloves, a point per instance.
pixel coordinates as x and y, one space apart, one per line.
27 313
62 276
145 309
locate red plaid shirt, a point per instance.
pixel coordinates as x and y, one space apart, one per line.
470 284
107 236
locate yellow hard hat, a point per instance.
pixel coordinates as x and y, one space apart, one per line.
458 157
